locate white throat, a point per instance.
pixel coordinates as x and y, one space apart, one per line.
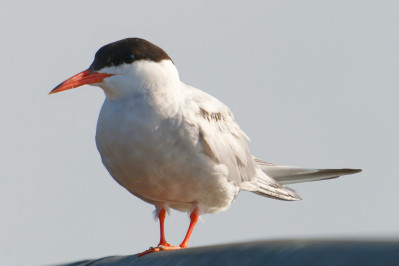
141 78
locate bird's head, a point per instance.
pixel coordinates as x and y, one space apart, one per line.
123 66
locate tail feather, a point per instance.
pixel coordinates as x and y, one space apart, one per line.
267 187
290 175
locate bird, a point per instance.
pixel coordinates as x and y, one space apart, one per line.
175 146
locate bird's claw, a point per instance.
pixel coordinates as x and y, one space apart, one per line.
159 248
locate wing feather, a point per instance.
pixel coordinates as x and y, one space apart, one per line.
221 138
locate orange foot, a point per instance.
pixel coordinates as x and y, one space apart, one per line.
158 249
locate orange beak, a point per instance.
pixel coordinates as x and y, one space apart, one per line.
82 78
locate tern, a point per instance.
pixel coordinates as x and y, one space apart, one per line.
172 145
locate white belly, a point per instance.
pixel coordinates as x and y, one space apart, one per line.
158 159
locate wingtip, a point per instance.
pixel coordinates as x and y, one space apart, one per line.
353 171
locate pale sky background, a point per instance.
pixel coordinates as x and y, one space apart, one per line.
313 84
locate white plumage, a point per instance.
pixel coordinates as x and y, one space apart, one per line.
172 145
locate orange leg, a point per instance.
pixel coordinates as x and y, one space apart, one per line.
193 220
163 245
161 216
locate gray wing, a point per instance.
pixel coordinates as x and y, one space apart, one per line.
219 136
290 175
222 140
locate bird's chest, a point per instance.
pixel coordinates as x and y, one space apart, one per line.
139 145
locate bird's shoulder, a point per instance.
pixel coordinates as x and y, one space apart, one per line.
204 106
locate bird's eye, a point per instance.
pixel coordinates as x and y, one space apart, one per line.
128 58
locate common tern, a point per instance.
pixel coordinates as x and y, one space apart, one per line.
172 145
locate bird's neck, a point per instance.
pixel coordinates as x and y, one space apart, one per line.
158 80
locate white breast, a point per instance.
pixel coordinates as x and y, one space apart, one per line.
149 148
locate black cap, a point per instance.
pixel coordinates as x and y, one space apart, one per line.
126 51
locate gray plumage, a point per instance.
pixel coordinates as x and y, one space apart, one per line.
285 175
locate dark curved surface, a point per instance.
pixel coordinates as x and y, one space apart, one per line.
289 252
